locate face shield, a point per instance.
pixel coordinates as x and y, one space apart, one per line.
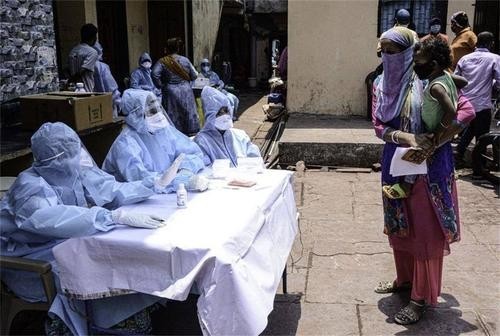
154 115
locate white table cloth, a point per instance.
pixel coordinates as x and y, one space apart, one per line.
232 244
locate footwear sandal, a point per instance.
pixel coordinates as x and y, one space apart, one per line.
385 287
394 192
410 314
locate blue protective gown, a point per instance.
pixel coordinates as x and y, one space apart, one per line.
58 198
216 144
140 78
177 95
104 80
218 83
138 155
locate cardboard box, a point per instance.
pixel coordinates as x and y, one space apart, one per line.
77 110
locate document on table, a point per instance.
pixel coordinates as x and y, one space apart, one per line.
400 167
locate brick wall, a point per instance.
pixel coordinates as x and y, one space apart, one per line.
28 52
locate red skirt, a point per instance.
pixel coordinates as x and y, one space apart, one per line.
419 256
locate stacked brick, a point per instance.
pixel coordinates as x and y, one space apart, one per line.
28 51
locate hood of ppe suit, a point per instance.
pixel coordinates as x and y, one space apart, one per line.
98 47
145 57
134 103
205 73
212 100
56 150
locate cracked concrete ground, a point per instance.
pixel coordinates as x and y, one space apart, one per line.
341 254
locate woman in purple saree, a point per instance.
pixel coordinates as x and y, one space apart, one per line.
420 227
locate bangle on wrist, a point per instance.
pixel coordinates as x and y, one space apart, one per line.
395 137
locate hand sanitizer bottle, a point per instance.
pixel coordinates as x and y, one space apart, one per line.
181 196
80 88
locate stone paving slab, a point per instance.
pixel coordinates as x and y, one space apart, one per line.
345 254
377 320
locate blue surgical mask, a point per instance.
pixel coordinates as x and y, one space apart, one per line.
205 68
435 29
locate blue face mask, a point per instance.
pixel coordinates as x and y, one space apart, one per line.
435 29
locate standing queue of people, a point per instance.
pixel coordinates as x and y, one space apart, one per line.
428 92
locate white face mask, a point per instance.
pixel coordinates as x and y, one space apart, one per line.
146 65
85 159
205 68
156 122
224 122
435 29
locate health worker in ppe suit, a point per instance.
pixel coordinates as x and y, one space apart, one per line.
215 81
218 139
104 80
147 147
64 195
140 78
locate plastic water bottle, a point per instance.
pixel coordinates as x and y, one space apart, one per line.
181 196
79 87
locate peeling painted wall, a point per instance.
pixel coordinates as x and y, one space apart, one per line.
206 17
137 30
331 49
28 52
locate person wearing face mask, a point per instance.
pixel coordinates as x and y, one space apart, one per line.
173 74
216 82
140 78
104 80
64 195
147 147
435 31
422 226
465 40
218 139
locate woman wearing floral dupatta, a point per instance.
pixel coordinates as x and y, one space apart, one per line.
420 227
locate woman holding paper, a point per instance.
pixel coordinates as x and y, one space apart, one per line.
421 226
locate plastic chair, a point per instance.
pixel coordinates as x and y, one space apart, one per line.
11 305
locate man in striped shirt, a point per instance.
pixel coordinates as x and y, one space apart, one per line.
83 57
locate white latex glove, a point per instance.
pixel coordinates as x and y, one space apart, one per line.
197 183
137 219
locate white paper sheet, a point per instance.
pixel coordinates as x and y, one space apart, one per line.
400 167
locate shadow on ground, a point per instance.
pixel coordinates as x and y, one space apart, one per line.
284 319
443 320
248 99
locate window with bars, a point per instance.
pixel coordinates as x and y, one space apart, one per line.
421 12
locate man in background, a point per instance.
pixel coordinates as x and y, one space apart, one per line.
435 31
82 58
465 39
482 70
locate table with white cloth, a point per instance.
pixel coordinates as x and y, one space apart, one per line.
230 245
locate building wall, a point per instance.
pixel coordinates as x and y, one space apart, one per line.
28 53
206 17
331 50
137 30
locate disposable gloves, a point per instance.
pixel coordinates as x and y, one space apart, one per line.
197 183
137 220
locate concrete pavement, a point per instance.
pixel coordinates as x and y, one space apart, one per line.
341 254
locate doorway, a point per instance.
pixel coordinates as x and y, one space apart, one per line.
167 20
112 26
